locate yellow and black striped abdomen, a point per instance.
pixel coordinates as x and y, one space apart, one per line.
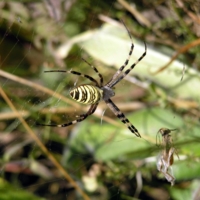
86 94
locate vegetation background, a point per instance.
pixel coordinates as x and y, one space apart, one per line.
98 158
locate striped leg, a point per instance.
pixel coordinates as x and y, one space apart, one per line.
126 62
114 82
96 70
76 73
122 117
81 118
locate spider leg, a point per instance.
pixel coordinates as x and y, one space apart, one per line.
127 60
122 117
81 117
76 73
114 82
96 70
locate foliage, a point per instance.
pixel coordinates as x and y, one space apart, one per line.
100 158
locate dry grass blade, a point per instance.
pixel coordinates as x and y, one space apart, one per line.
43 148
135 13
98 113
180 51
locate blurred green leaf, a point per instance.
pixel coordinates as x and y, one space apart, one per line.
8 192
111 45
109 142
186 170
185 192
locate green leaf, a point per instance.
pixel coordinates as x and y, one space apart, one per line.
108 142
8 192
111 45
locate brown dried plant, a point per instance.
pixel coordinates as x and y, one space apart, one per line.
166 157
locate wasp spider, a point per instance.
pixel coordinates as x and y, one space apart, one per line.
92 94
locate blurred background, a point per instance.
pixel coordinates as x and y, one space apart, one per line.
99 158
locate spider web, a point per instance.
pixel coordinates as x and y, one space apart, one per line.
99 154
21 48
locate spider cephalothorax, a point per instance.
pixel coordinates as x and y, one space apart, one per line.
92 94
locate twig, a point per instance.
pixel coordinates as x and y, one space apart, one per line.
42 147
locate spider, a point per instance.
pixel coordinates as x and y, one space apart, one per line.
92 94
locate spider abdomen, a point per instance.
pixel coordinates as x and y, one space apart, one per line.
86 94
